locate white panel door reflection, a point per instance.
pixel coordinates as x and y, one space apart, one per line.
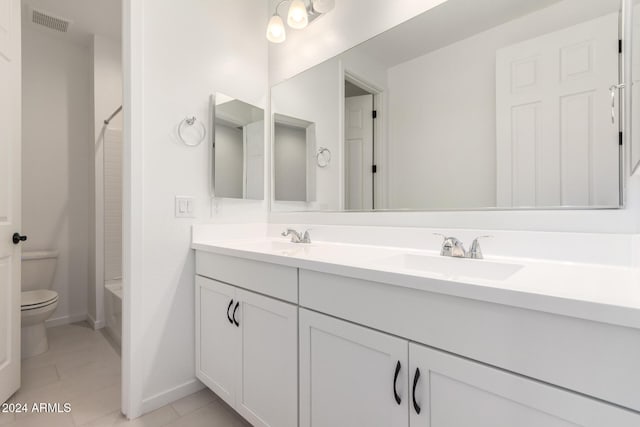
556 143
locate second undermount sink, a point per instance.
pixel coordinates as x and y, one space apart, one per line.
449 267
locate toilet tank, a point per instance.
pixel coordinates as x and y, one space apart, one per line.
38 269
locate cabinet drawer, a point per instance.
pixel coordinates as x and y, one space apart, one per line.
269 279
452 391
596 359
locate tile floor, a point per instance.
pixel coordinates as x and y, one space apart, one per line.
82 368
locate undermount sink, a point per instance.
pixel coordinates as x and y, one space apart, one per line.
271 246
449 267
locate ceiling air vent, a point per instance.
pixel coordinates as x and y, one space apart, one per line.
41 18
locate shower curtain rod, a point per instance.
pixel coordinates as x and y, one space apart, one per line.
106 122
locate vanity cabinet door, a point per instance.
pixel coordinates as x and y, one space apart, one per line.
450 391
267 388
351 375
217 337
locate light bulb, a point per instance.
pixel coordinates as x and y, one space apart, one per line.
297 17
275 30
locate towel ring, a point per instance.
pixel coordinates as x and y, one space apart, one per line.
323 157
190 122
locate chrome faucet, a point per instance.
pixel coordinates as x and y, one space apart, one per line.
296 236
453 247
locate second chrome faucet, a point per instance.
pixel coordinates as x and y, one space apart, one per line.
296 236
453 247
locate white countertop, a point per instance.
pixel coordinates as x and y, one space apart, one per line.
602 293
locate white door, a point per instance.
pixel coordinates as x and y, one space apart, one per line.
351 375
10 158
556 143
267 388
358 146
217 337
455 392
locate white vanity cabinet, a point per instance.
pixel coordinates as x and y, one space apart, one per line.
276 341
351 375
247 351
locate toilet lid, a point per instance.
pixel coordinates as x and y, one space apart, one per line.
36 299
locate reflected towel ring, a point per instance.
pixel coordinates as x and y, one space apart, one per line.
323 157
200 129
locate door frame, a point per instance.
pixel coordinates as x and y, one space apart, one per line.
133 362
379 136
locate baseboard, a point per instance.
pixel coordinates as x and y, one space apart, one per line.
65 320
159 400
94 323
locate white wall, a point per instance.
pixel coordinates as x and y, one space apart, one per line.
106 97
177 53
56 154
428 97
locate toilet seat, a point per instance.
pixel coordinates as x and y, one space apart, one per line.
33 300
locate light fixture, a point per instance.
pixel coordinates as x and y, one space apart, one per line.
275 30
299 16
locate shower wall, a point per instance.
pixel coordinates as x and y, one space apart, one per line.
112 204
106 173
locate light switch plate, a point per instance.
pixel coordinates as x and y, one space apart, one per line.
185 207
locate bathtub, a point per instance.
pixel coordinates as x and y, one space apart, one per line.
113 310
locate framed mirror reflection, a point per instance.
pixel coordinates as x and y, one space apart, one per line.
475 104
237 148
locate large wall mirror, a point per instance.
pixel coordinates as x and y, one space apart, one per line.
238 148
475 104
635 88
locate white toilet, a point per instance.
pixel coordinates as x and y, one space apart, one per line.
38 300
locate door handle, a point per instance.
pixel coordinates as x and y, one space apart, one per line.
17 238
416 377
395 380
228 315
613 89
234 313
